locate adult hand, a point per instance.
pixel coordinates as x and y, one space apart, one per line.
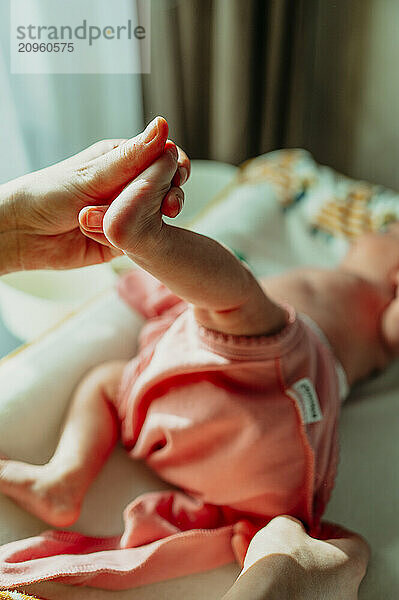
284 562
39 225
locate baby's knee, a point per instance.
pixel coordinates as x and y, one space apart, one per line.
106 377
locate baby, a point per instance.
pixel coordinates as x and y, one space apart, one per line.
235 392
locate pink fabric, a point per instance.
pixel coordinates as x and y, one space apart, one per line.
210 413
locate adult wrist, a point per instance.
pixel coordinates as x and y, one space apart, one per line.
10 197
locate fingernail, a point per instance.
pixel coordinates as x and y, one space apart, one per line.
182 175
150 131
94 219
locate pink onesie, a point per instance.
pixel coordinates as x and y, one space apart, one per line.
245 427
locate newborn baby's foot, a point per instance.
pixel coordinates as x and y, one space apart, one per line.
52 496
134 220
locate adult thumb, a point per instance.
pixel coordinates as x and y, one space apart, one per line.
106 175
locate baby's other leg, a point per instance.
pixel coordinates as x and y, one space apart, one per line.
54 492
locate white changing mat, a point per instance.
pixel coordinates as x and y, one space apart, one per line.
36 383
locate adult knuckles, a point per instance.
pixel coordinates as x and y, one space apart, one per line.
170 160
104 146
87 179
129 154
358 564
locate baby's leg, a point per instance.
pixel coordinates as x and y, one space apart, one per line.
225 294
54 492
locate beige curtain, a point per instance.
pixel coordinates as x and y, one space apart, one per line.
229 75
236 78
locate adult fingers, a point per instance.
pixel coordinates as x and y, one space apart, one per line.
102 241
332 532
137 205
91 225
281 535
183 168
173 202
352 544
286 523
108 173
91 218
94 151
356 549
102 147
